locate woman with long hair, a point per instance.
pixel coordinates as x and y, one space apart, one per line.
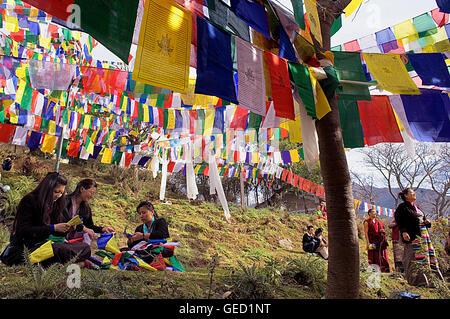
78 204
39 215
152 227
419 255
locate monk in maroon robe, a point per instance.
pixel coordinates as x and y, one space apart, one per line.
376 242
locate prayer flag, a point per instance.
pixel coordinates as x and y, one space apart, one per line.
163 51
431 68
6 131
34 140
428 116
406 32
251 82
313 19
49 143
253 13
214 64
352 6
444 5
352 132
107 241
378 121
280 86
43 252
50 75
348 66
390 73
107 156
302 80
118 18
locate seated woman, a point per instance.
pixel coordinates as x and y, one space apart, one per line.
78 204
39 215
153 227
323 248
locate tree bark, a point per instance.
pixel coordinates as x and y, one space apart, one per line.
343 260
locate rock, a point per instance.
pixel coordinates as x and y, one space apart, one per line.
286 243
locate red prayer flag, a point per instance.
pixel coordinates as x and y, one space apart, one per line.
239 121
6 131
74 147
378 121
281 86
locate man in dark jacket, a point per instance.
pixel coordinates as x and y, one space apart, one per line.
310 242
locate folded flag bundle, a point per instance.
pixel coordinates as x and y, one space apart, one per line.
155 254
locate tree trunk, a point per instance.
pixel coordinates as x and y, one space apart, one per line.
343 260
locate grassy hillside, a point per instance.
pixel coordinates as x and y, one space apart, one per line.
257 254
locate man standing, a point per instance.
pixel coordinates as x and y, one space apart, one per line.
376 243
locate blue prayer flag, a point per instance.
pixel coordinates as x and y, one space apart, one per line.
214 62
444 5
431 68
428 115
34 140
253 13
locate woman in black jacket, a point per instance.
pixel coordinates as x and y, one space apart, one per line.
153 227
39 215
410 219
78 204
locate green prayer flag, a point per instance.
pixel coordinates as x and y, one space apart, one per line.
352 132
300 75
175 263
331 83
25 103
348 66
116 158
299 14
200 123
425 25
337 25
254 121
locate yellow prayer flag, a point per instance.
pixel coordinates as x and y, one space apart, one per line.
45 42
107 156
87 121
352 6
45 251
11 23
13 118
19 93
322 105
49 143
209 121
405 32
313 19
294 156
51 127
171 119
255 158
164 47
294 128
390 73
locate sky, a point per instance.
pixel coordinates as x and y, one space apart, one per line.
373 16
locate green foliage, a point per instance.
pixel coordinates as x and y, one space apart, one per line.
20 186
253 282
309 271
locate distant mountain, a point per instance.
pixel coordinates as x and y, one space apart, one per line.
383 198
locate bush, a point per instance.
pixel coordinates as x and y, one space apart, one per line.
255 282
310 271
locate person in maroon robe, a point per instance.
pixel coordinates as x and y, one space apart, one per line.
376 243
